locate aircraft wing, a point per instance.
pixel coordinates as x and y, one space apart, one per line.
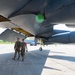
22 15
10 35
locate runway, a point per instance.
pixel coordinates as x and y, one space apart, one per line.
53 60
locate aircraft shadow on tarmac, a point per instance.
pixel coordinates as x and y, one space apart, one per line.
67 58
33 64
57 52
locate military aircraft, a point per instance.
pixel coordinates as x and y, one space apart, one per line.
25 18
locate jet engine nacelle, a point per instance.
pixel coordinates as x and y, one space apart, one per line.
67 37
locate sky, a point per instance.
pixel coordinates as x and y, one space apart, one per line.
63 27
2 29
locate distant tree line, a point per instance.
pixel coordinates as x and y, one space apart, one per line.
5 42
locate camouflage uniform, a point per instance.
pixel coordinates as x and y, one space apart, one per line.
17 49
23 46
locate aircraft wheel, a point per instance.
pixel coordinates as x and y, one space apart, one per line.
40 48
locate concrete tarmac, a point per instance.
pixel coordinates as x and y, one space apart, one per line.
53 60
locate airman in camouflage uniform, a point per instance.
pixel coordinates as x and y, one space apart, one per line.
23 49
17 49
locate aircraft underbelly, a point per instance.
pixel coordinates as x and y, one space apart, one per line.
28 23
65 15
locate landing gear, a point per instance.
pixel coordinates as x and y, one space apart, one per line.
40 49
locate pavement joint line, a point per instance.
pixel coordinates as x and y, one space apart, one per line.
63 65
